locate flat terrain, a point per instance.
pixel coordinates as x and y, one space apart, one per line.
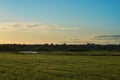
58 67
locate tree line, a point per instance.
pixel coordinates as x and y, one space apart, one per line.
58 47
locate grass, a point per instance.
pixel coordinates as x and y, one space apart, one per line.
45 66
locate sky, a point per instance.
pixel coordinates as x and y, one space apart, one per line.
60 21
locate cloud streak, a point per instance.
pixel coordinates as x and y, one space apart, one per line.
103 39
107 37
33 27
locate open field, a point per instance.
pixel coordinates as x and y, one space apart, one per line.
58 67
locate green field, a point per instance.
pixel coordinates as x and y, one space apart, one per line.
46 66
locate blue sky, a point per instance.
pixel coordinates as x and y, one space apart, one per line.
81 18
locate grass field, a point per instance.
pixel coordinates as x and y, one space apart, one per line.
58 67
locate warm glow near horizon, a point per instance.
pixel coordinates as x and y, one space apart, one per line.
59 21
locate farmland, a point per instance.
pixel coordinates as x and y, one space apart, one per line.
58 66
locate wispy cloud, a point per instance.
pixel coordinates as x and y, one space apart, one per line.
103 39
33 27
107 37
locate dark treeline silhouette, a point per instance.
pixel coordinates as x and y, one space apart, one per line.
58 47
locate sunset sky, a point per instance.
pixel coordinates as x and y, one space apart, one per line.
60 21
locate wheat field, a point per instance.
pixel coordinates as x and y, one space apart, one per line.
58 67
